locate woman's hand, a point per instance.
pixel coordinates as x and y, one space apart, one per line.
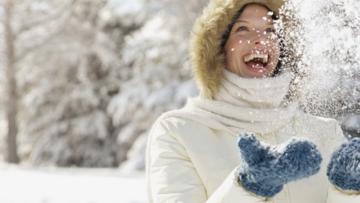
267 169
344 167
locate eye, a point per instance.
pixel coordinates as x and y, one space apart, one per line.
270 30
242 28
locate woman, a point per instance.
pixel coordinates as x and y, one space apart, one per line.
205 152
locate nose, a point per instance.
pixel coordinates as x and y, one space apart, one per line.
260 39
259 42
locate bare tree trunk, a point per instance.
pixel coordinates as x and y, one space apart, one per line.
11 85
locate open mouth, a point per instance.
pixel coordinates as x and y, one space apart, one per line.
257 61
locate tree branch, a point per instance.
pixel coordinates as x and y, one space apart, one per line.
26 51
44 20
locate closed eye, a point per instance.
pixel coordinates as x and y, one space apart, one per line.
270 30
242 28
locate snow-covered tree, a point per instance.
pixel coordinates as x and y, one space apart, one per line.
67 86
159 78
22 33
11 100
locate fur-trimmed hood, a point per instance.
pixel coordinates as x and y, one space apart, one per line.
207 59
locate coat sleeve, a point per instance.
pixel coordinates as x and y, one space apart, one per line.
336 195
172 177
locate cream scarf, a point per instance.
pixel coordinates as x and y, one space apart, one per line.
242 104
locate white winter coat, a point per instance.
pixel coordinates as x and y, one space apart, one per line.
192 152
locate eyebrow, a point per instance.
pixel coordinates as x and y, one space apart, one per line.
241 21
244 21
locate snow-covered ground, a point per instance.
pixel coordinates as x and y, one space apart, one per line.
26 185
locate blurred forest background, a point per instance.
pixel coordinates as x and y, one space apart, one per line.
82 80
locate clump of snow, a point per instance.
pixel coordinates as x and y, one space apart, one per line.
128 12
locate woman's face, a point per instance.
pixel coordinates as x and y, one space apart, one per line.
252 50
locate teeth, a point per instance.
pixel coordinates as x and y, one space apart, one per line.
263 57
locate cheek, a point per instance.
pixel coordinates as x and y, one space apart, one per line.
275 49
236 46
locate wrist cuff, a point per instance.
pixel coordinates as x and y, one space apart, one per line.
264 190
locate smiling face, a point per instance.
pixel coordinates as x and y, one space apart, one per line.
252 49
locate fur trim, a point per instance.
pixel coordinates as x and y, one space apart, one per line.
207 62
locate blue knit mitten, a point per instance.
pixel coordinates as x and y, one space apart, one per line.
344 167
268 168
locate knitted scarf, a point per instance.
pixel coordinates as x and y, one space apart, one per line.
243 104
